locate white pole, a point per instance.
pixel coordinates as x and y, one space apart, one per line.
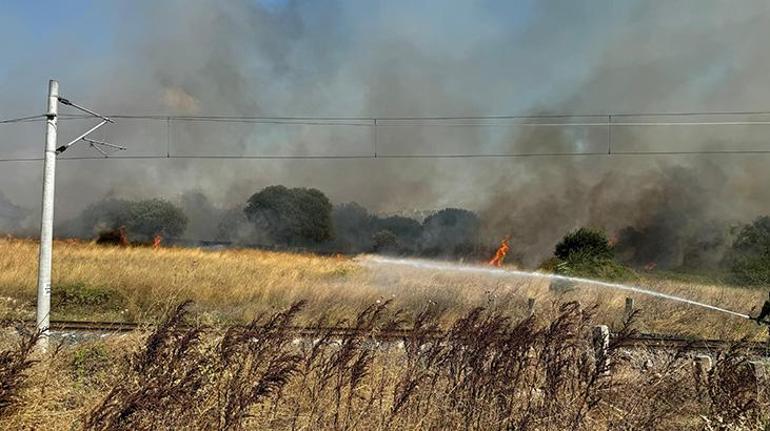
46 219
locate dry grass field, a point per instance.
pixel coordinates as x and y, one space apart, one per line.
492 369
140 284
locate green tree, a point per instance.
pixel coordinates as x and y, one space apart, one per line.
296 216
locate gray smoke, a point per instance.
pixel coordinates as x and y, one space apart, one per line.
203 217
12 217
400 58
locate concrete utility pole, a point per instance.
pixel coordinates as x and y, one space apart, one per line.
46 218
43 315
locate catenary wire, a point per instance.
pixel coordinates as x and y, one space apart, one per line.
398 156
377 122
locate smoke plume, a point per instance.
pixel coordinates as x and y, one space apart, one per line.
401 59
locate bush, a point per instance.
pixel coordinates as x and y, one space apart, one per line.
295 216
585 265
587 253
88 361
80 296
749 256
15 364
587 242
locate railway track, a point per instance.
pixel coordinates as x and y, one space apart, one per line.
647 341
672 342
300 331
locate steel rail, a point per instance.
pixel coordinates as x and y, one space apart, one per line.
642 340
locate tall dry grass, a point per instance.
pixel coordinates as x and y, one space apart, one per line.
231 284
140 284
484 372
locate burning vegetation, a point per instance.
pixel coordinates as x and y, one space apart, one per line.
115 221
501 252
117 236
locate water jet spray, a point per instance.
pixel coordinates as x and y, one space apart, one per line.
502 272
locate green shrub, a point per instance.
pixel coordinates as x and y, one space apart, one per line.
79 296
586 253
749 257
88 360
588 242
586 265
550 264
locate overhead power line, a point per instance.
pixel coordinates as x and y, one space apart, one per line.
591 120
401 156
370 118
608 121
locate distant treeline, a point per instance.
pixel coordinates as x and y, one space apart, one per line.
292 218
304 218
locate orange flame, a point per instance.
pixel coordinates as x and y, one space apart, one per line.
156 240
500 253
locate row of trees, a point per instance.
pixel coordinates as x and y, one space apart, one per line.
306 217
449 232
295 217
302 217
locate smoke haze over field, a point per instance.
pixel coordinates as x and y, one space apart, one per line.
405 58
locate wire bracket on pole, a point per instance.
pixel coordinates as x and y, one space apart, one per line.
84 109
102 147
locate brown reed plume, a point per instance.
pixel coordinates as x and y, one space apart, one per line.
486 371
15 363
